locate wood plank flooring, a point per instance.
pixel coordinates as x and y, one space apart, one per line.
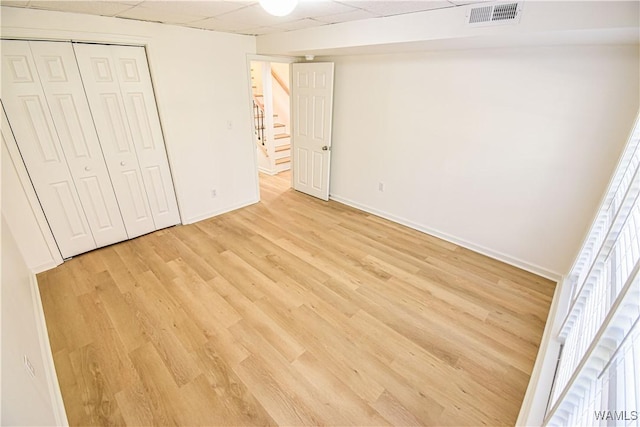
292 311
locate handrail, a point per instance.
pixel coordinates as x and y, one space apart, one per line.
280 81
257 101
258 121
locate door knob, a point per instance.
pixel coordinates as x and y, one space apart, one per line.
325 148
87 168
122 163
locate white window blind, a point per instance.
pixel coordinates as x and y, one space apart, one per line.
597 379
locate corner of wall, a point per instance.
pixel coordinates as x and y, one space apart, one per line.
47 357
30 390
535 399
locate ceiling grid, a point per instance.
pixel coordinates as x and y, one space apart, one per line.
240 16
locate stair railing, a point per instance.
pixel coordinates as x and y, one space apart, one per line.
258 116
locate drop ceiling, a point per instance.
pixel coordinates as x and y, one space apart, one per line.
241 16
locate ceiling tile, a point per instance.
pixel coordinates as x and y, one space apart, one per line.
201 8
463 2
217 25
391 8
254 17
154 14
240 16
316 8
99 7
16 3
355 15
261 31
299 24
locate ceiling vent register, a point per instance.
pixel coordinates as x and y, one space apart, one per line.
497 14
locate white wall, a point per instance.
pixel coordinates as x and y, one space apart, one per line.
281 105
26 400
201 83
506 151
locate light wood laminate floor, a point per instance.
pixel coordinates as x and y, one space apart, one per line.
292 311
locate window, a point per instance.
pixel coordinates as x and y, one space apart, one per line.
597 379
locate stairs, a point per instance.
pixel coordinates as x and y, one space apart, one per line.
275 143
283 150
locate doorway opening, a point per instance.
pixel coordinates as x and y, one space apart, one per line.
289 98
271 113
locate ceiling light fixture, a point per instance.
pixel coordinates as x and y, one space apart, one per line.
279 7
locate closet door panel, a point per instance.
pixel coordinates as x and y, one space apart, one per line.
60 79
28 113
98 73
142 115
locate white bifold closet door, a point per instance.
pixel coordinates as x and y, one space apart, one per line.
85 122
118 87
43 96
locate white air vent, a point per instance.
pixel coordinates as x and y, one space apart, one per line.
496 14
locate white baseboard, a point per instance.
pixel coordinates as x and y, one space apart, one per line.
532 268
46 266
283 167
208 215
268 171
57 405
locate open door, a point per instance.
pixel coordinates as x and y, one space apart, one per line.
312 107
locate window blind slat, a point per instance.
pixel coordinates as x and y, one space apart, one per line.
626 168
603 252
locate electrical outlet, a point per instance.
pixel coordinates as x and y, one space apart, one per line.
213 193
381 186
229 124
29 367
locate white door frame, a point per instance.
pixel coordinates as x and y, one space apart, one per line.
265 58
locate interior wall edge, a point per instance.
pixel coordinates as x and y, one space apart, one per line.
507 259
538 390
29 388
57 403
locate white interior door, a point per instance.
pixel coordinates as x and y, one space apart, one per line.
33 128
100 78
142 115
56 65
312 102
